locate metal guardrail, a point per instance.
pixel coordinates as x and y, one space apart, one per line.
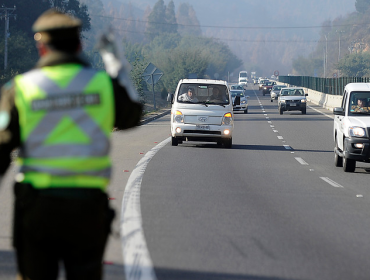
334 86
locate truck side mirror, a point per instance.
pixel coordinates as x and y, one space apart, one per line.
338 111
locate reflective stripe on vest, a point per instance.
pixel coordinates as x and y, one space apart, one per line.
34 147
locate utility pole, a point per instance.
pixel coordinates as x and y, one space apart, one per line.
340 32
326 57
6 13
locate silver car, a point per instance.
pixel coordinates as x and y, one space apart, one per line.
240 101
275 91
292 99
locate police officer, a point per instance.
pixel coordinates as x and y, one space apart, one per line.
61 115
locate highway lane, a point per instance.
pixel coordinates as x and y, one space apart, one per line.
273 207
252 212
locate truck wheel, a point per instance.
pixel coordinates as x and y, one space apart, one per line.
271 100
174 141
338 160
228 143
281 110
349 165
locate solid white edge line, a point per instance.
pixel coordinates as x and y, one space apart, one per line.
301 161
136 259
331 182
320 112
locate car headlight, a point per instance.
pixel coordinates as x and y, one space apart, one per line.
282 101
243 102
303 101
264 88
357 131
227 119
178 117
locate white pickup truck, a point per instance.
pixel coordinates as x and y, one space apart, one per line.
352 127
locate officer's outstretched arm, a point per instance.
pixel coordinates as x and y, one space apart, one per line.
115 62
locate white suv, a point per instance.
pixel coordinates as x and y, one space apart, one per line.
202 110
352 127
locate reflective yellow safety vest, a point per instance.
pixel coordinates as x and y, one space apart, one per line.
66 115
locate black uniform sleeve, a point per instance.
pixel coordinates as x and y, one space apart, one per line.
128 112
9 135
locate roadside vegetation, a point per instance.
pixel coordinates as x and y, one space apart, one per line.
344 44
179 51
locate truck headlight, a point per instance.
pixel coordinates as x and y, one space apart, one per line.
357 131
227 119
178 117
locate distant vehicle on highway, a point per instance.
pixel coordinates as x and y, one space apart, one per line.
275 91
267 86
243 82
202 110
261 83
243 75
240 101
292 99
352 127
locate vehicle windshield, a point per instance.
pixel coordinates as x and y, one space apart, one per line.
359 103
243 80
277 88
243 75
235 93
203 94
268 83
292 92
237 87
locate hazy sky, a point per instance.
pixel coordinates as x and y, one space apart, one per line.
244 24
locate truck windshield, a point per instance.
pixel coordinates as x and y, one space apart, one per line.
203 94
359 103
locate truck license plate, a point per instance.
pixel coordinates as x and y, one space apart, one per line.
203 127
292 104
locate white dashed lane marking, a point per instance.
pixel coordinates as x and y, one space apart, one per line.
287 147
301 161
331 182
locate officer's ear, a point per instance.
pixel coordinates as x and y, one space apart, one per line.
42 48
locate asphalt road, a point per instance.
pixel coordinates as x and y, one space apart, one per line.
272 207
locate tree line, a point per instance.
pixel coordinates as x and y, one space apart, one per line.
343 48
170 39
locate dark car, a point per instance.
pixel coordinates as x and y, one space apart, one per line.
267 86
